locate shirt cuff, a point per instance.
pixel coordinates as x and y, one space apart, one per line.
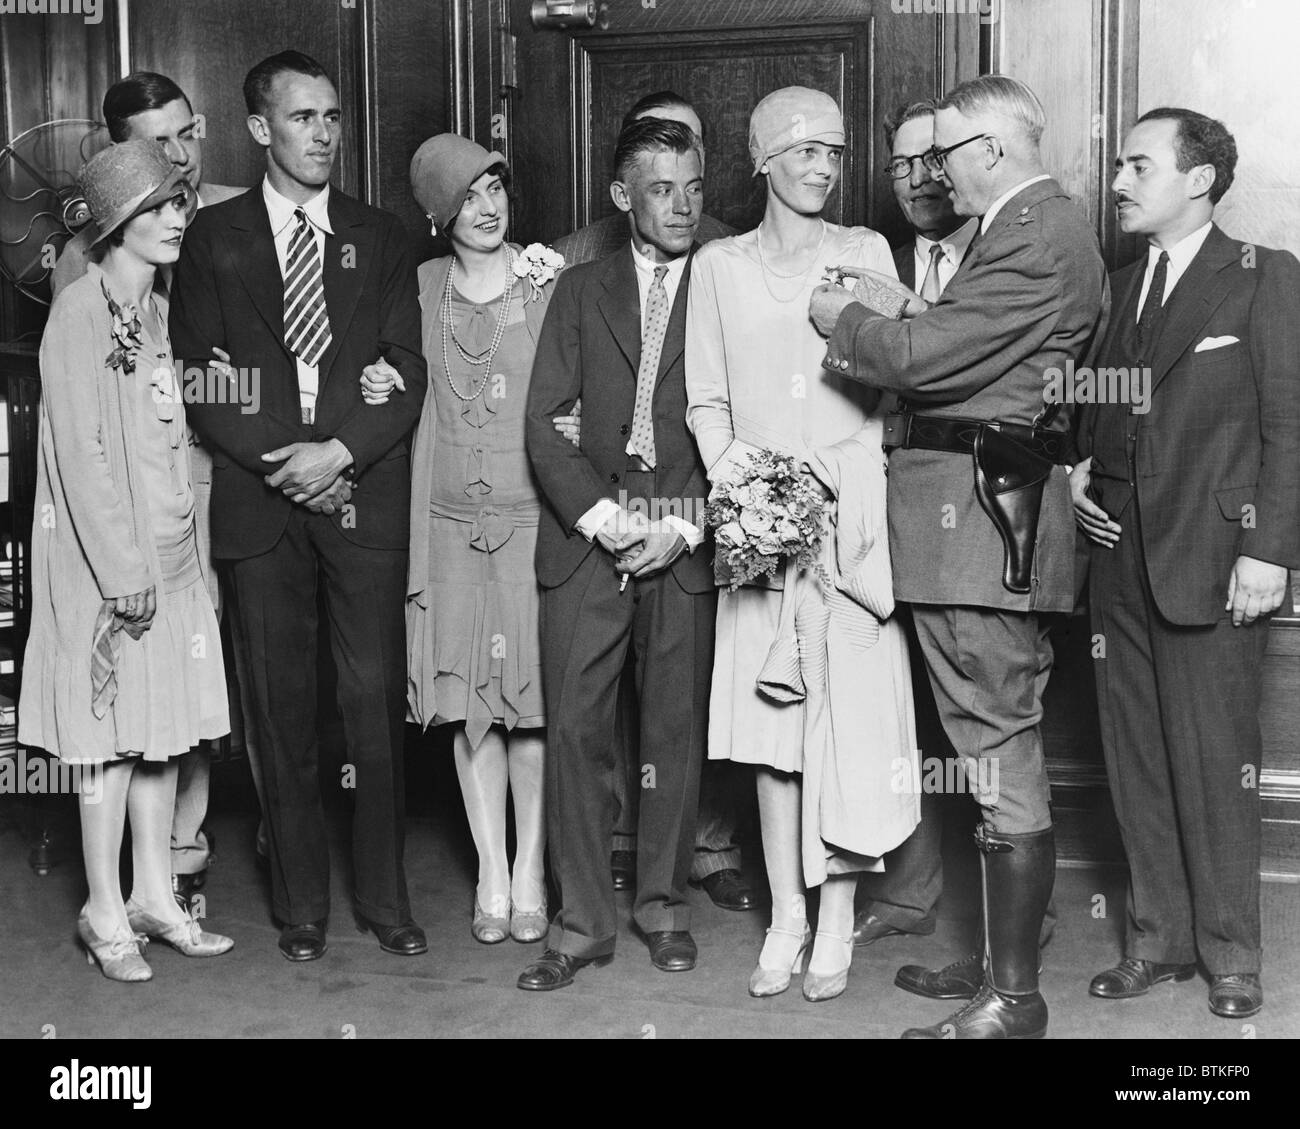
693 535
590 523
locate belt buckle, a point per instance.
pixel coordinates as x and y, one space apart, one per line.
896 428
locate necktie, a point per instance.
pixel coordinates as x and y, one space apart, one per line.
1153 308
653 327
930 288
306 319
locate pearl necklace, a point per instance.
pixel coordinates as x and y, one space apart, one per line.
765 269
497 334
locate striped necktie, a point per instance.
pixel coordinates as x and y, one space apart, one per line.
652 347
306 319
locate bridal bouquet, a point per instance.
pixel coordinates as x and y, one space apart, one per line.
766 512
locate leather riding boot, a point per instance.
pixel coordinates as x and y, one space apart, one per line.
1019 871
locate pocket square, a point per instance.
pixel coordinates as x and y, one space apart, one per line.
1215 343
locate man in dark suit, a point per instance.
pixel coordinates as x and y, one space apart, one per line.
305 287
621 562
904 896
983 553
716 863
1190 491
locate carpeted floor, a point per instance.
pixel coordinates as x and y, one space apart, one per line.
463 989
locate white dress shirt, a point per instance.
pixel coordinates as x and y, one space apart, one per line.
997 204
955 246
591 522
279 211
1181 255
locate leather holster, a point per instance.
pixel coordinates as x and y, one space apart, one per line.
1009 480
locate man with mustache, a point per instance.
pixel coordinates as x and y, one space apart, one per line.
902 899
983 557
308 286
1193 511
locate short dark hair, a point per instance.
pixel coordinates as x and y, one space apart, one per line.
502 171
138 92
907 112
650 135
1200 140
257 83
659 100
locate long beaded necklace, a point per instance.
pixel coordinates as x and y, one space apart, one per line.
497 334
765 269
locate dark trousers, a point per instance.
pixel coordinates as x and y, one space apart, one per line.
587 628
988 670
275 598
724 788
1180 731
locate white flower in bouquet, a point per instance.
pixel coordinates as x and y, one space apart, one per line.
755 522
539 264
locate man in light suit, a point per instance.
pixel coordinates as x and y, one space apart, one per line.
622 562
151 107
983 552
1190 492
903 898
308 287
716 863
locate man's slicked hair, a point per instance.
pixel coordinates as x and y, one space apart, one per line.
651 135
257 83
659 100
1002 95
907 112
138 92
1200 140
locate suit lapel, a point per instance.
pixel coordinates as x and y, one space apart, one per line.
1199 292
348 255
255 260
620 306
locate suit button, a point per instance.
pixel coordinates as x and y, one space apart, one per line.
613 478
624 429
843 363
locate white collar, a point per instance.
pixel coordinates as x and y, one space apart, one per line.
647 266
954 244
997 204
1181 253
280 209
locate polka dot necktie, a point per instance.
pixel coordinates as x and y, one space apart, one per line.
654 324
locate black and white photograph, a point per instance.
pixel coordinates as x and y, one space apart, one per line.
650 520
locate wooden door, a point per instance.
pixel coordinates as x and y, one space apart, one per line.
571 89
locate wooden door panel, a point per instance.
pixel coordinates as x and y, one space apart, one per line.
724 75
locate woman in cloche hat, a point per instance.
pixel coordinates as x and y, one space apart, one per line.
810 682
123 669
473 644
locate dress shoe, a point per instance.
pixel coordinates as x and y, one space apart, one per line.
673 951
767 980
184 887
120 956
555 970
303 942
728 890
1236 995
488 929
622 865
817 987
991 1015
1134 977
868 928
957 981
404 940
186 937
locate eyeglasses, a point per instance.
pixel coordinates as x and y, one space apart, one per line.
936 159
900 168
